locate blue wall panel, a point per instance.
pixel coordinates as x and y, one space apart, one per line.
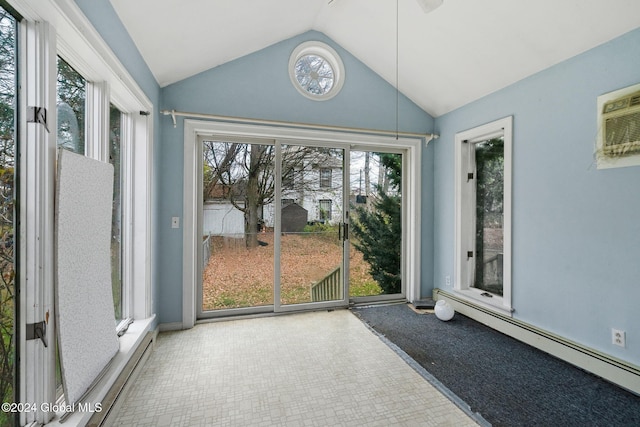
576 234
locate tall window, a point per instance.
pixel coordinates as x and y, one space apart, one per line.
325 178
82 108
71 94
325 210
70 104
489 212
8 27
115 158
483 213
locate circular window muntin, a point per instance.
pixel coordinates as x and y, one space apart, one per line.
329 57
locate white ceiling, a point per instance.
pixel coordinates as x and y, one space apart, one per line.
454 55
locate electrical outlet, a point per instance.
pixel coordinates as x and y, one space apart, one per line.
175 222
447 280
618 337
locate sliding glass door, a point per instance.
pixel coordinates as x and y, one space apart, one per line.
271 244
291 226
376 223
312 232
238 248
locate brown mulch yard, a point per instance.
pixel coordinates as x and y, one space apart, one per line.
237 276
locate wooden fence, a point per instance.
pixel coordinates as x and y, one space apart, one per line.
206 251
329 288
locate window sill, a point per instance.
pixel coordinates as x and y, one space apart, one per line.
129 342
495 303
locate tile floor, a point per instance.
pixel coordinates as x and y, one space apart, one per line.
309 369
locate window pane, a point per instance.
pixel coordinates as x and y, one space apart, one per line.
325 210
325 178
489 215
311 251
115 158
237 242
70 106
376 224
70 101
314 74
8 28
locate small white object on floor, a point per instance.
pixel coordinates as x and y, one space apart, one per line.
444 310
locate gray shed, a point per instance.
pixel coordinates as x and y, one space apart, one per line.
294 218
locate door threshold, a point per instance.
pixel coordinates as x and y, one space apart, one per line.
224 318
363 304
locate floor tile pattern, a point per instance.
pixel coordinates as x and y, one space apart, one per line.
308 369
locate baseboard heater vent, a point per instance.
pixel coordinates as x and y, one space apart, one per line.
111 399
617 371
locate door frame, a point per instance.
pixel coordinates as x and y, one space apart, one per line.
404 190
278 307
194 129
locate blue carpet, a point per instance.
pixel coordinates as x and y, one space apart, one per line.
505 381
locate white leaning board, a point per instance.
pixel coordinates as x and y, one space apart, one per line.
85 316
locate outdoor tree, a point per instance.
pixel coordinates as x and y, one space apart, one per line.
70 106
489 196
244 175
115 128
378 231
7 238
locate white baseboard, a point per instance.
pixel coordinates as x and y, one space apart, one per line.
174 326
617 371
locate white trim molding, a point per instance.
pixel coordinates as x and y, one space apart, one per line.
465 214
83 47
97 129
37 178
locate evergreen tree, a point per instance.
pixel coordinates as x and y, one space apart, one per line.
489 201
378 231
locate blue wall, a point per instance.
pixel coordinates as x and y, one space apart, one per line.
258 86
576 229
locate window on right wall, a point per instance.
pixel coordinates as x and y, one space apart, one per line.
483 214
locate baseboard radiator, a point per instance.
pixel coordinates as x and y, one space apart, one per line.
111 401
617 371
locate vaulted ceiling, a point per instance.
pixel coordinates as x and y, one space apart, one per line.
463 50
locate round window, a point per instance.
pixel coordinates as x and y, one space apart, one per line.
316 70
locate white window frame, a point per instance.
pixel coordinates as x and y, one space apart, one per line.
37 176
327 53
465 213
97 120
47 30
